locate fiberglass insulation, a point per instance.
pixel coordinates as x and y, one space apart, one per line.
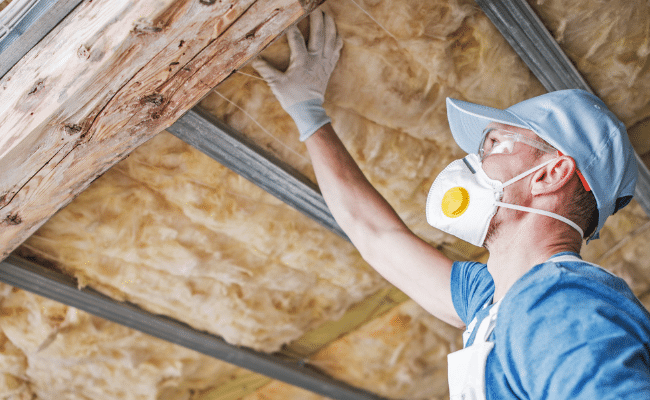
178 234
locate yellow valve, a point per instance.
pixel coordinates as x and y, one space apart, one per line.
455 202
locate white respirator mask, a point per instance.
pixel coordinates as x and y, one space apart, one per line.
463 200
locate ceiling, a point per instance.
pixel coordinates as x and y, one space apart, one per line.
177 234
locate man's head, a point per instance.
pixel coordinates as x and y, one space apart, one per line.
574 122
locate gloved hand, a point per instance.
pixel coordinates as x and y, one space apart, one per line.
301 88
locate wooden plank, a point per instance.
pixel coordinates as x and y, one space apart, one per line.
109 77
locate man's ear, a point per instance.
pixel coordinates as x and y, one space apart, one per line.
553 176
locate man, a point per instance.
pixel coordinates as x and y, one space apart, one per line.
541 176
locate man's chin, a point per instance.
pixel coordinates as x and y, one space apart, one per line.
492 232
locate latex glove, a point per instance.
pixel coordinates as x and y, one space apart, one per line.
301 88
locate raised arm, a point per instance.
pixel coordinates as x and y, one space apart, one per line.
382 238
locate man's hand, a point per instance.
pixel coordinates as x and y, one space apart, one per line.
301 88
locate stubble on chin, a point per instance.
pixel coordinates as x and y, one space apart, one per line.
492 231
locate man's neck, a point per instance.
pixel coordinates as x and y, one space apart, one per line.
513 254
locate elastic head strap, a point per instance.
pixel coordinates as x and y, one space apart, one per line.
542 212
535 210
528 172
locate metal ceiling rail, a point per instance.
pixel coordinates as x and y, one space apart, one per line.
62 288
516 21
230 148
528 36
23 23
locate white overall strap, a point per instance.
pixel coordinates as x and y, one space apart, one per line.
468 332
472 325
466 372
488 324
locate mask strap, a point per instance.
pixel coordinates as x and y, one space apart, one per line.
542 212
526 173
535 210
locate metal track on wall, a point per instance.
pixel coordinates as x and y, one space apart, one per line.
231 148
23 23
27 28
528 36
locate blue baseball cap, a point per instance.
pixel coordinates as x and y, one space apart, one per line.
575 122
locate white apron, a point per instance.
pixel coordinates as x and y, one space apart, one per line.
466 367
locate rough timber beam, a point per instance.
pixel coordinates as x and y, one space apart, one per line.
528 36
110 76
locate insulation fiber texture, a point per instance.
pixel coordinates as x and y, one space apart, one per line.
177 234
609 42
54 352
386 97
402 355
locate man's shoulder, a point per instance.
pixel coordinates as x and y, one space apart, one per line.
471 287
567 277
573 322
572 292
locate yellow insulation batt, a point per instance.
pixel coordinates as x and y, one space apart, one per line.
402 354
51 351
178 234
609 43
399 62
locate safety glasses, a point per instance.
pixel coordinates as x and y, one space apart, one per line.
500 141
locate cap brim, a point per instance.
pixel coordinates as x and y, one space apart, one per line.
468 121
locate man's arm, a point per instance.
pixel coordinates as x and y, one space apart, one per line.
380 235
389 246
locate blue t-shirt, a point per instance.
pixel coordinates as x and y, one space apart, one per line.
565 330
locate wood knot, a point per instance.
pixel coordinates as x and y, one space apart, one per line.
13 219
156 99
39 85
83 52
72 129
144 26
207 2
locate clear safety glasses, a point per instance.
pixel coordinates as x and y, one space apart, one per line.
499 141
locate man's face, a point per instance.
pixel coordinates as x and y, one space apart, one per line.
505 166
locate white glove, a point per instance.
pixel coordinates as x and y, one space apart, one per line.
301 89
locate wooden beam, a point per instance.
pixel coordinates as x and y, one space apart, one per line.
110 76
